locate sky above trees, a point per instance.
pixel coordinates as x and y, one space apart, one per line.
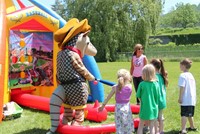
169 4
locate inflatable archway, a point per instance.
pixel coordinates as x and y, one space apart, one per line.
29 51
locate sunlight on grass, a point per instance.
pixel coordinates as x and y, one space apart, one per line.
38 122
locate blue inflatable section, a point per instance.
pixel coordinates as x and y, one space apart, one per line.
97 91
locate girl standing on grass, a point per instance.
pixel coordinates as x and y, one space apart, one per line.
148 93
163 82
138 61
123 115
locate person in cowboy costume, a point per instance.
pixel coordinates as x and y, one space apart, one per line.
71 74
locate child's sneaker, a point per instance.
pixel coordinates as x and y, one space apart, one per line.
191 129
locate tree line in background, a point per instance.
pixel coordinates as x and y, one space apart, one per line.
182 16
117 25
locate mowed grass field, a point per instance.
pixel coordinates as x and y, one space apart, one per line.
34 121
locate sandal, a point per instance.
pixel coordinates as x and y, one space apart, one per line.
191 129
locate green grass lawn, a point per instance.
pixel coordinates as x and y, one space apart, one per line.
37 122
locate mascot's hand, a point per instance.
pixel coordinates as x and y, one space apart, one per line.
93 78
90 78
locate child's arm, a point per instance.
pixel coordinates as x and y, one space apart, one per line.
108 98
132 66
181 95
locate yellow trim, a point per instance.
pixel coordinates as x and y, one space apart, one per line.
85 113
73 107
6 87
10 7
42 17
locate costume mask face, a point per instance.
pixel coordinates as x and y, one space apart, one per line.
85 46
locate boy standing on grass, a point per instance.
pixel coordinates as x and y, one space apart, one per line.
187 96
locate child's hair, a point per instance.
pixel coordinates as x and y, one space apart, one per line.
124 77
158 64
136 47
187 63
148 73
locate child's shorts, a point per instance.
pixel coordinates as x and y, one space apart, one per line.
187 111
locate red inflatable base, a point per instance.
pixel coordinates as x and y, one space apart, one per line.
24 98
99 129
134 108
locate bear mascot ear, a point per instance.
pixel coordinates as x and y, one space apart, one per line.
84 45
86 33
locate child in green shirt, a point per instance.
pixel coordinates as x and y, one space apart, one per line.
148 93
163 82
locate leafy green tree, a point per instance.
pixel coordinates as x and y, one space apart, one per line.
60 8
182 16
186 14
147 17
198 14
116 24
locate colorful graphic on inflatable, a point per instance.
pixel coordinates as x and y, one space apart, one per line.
31 59
29 32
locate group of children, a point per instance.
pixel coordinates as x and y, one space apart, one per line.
150 82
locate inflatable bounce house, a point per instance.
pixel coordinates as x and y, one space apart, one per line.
28 62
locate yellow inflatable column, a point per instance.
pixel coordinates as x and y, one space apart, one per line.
2 54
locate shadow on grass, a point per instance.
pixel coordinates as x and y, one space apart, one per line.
34 131
168 132
34 110
172 132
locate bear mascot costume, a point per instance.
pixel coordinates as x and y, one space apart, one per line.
72 90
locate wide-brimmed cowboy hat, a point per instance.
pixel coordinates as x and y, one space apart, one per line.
72 28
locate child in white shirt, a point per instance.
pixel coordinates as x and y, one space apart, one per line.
187 96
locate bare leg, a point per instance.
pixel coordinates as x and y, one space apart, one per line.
140 128
151 126
191 121
161 122
146 126
183 123
156 126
